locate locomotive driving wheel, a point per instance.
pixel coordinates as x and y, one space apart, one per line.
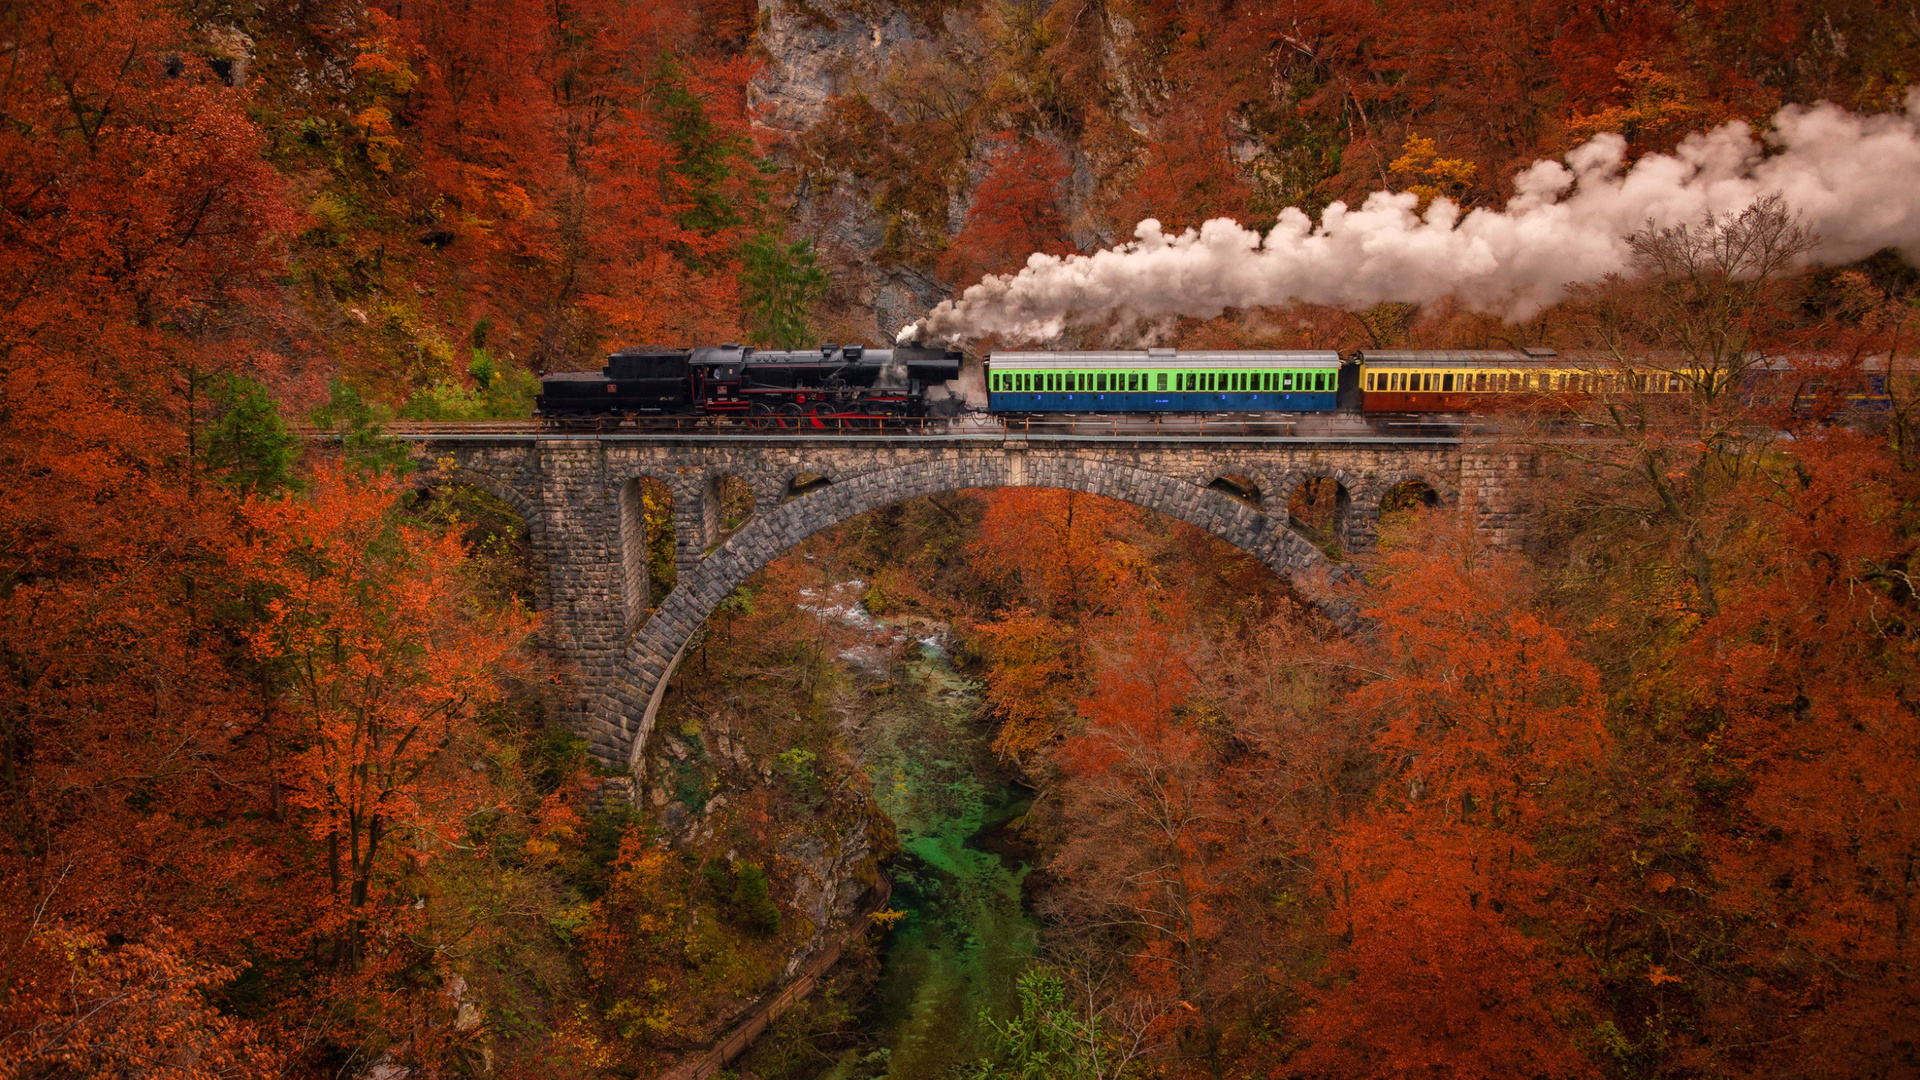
789 417
760 415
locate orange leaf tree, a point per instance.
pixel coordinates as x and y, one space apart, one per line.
386 657
1483 714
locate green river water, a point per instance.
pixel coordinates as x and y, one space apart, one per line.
966 937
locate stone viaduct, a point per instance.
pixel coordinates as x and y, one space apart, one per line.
580 495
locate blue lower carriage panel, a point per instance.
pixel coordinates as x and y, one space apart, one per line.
1162 402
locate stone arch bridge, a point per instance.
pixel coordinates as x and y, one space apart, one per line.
580 495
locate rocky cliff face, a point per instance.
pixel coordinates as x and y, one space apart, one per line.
814 54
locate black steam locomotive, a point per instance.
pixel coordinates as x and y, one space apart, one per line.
832 386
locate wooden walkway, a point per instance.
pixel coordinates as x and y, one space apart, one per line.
721 1054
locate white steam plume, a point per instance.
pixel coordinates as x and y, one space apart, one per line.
1855 180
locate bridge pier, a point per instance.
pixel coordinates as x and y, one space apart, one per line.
581 498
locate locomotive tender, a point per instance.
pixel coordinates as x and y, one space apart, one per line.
853 386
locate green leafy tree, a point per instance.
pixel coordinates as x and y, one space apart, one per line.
704 153
361 425
751 902
1046 1041
248 446
780 282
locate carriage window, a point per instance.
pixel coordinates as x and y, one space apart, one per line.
1160 381
1446 381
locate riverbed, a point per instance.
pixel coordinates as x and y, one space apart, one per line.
966 936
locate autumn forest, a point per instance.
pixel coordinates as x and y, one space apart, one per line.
287 781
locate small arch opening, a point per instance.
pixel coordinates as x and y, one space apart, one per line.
648 570
1318 510
729 506
805 482
1238 486
1404 501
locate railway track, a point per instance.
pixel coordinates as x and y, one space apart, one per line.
974 425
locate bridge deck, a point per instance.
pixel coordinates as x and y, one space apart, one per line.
1158 431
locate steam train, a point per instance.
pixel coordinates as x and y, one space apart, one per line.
853 386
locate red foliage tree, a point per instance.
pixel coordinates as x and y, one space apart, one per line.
1483 712
1016 211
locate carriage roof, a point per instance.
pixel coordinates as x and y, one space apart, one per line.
1163 358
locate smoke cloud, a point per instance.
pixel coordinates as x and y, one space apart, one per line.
1855 180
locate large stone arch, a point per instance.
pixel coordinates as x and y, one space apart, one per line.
624 717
